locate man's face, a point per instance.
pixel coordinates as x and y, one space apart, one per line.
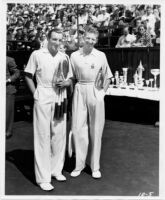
141 30
20 23
125 31
55 40
64 19
138 23
62 48
90 40
103 11
149 10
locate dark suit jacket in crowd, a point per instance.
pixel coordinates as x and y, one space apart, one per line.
13 73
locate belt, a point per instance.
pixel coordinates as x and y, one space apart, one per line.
46 86
85 82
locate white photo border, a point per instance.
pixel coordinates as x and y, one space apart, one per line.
3 9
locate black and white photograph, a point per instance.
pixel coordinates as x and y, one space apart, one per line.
82 100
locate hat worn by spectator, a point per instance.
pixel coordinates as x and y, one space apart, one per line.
17 13
36 12
26 12
25 16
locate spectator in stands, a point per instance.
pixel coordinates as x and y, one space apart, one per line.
19 34
19 25
63 47
103 18
73 22
96 15
12 74
10 35
58 23
83 17
126 39
157 31
91 18
64 21
26 22
72 43
143 38
43 40
25 34
135 28
149 19
128 16
35 44
32 15
156 14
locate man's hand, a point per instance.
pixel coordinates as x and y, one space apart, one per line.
63 84
8 80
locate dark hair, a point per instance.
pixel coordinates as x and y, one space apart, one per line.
91 29
56 30
142 25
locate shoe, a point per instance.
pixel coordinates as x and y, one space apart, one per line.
75 173
60 177
96 174
46 186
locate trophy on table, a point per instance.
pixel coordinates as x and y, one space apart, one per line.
117 78
151 81
125 70
138 76
155 73
147 83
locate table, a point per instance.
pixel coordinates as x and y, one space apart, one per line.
144 93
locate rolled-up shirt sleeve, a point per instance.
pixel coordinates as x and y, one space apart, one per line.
32 64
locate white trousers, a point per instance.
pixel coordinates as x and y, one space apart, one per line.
88 115
49 136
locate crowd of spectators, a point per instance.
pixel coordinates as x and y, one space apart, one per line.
28 24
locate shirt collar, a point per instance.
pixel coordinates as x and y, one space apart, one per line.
93 52
45 50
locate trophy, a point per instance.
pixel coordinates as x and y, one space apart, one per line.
151 81
113 80
140 70
117 78
138 76
125 75
155 73
147 83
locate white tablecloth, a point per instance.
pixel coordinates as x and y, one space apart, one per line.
146 93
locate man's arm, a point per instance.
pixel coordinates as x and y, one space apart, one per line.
30 83
119 42
107 84
15 73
